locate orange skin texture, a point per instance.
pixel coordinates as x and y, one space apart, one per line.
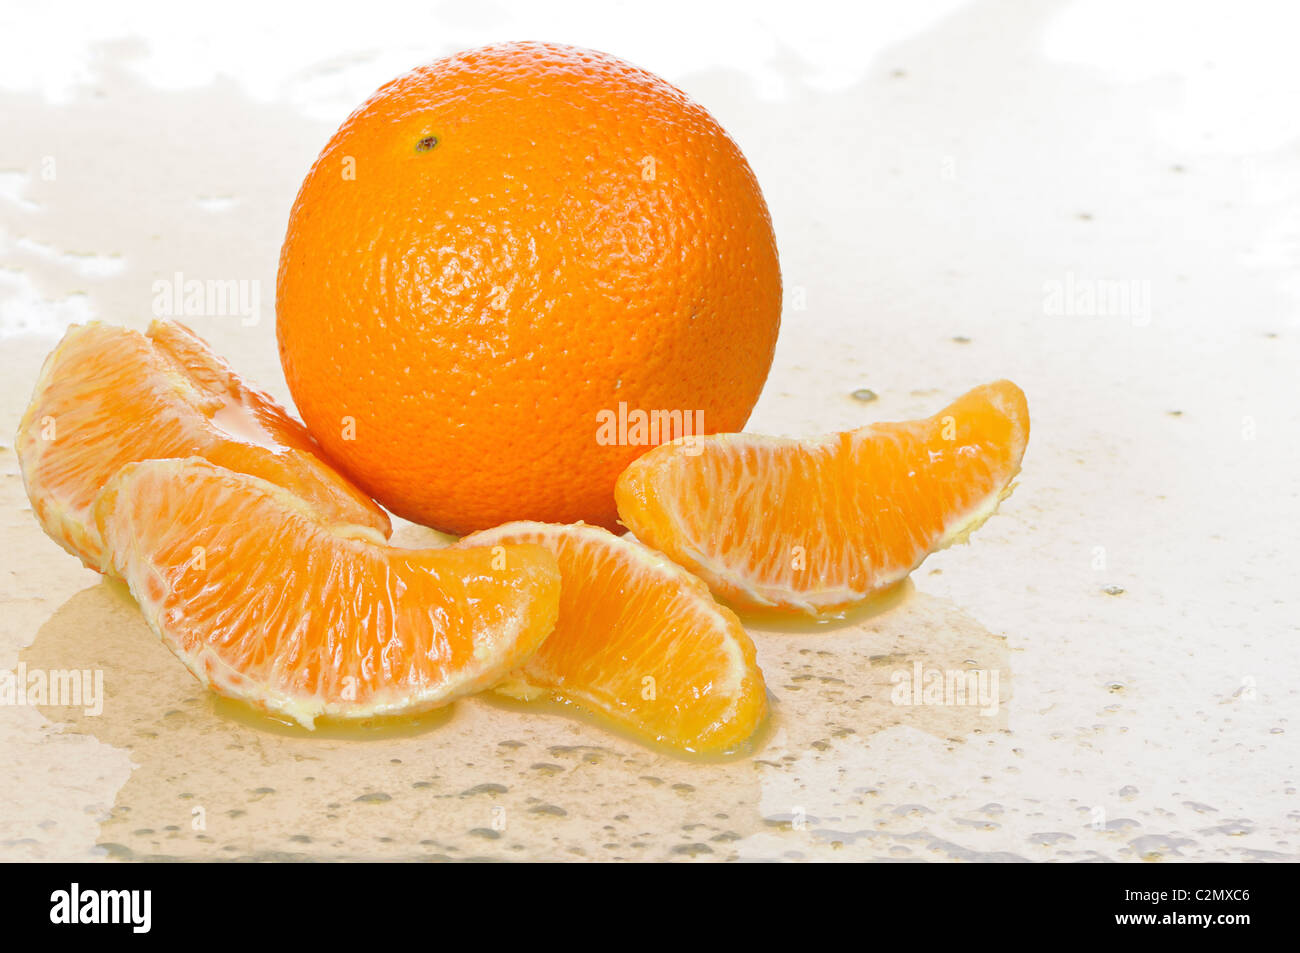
453 317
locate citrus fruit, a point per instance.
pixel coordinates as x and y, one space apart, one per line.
512 271
639 641
817 525
108 396
266 602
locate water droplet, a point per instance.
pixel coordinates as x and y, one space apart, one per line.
488 788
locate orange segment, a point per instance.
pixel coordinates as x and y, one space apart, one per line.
266 602
640 641
817 525
108 396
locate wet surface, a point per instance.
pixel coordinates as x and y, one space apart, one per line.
212 779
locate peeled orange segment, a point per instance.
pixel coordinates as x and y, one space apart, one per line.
817 525
108 396
640 641
266 602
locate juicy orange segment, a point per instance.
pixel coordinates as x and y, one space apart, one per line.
817 525
640 641
265 601
108 396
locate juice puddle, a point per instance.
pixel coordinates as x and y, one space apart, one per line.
884 601
563 709
410 726
195 777
369 729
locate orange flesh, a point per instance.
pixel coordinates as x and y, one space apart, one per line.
641 642
265 602
818 525
108 396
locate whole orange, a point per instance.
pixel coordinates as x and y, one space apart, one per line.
500 253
